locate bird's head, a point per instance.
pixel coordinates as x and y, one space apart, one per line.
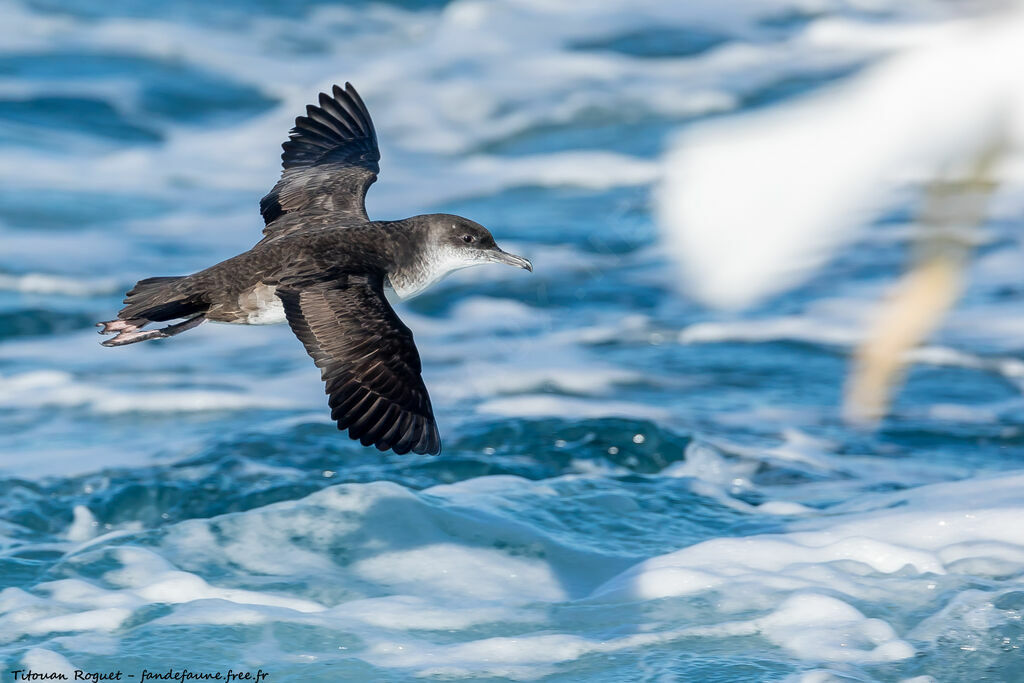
465 243
445 243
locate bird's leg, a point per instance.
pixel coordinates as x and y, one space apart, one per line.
130 331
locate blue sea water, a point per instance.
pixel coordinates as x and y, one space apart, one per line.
632 487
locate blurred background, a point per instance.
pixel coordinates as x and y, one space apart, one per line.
741 213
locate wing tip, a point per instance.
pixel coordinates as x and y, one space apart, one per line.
421 436
339 118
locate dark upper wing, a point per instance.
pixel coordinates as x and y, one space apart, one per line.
368 360
330 159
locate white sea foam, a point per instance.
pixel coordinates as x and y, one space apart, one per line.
44 660
470 573
525 371
476 314
589 169
420 612
83 525
40 283
816 627
42 388
421 568
795 328
929 534
543 405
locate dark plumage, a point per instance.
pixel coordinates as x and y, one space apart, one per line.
329 162
322 265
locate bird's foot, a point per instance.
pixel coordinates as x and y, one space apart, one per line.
130 331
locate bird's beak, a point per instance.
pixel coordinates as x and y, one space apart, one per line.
499 256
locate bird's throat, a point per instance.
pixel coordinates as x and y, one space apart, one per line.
413 278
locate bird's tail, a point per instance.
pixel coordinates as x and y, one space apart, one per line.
151 300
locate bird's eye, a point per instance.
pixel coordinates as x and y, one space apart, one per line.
468 239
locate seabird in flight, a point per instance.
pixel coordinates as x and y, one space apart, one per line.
322 265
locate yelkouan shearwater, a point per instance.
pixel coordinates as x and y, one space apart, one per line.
322 265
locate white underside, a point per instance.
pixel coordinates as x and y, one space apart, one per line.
261 306
268 314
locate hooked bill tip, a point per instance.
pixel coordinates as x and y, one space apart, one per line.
513 260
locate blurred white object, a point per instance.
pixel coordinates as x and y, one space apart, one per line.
749 206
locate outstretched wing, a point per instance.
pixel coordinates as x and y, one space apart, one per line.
369 361
330 159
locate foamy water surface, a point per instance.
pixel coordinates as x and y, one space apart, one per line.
631 487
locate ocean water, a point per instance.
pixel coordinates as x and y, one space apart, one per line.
631 488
